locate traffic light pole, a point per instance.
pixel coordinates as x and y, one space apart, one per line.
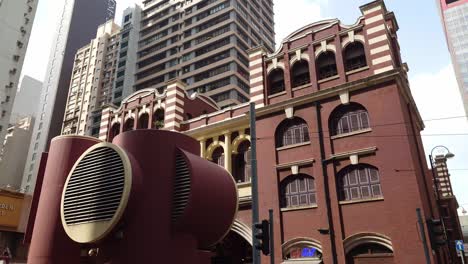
423 236
255 216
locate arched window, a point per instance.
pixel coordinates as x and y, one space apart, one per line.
143 121
242 163
276 81
158 119
364 252
349 118
359 182
218 156
292 131
326 65
298 191
129 124
354 56
300 73
304 253
114 131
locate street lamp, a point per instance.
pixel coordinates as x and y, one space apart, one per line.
447 155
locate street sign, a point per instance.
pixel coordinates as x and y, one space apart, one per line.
459 245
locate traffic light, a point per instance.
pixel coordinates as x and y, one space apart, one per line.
262 233
436 233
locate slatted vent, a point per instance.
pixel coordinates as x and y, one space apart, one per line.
181 187
95 188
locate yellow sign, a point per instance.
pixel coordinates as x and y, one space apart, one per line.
10 210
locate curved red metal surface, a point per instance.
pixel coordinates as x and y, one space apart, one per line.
49 243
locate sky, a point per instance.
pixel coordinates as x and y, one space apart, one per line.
422 44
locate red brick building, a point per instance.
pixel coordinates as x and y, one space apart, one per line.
340 158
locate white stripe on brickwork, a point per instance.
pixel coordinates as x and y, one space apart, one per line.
173 92
377 39
379 49
258 70
174 116
376 29
255 62
259 105
381 60
176 108
256 89
251 55
256 80
372 10
174 100
388 68
373 19
257 98
105 123
172 124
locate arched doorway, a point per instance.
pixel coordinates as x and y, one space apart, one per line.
234 249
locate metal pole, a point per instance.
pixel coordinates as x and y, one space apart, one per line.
462 255
423 236
253 148
272 238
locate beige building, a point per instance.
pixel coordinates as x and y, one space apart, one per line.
204 44
15 151
92 80
16 20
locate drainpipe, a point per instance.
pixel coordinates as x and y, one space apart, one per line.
325 183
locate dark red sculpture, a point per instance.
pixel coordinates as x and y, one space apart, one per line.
146 198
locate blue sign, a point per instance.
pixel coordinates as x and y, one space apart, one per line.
308 252
459 245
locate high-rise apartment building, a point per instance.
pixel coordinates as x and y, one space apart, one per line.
76 27
26 102
14 153
16 20
92 80
454 15
204 44
126 68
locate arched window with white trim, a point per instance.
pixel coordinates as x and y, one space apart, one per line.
326 65
114 131
158 119
129 124
292 131
298 191
354 56
349 118
300 74
364 252
359 182
143 121
276 81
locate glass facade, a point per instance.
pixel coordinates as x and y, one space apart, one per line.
456 25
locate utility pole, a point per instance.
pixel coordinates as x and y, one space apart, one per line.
255 216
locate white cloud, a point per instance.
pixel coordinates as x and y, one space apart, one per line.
289 17
437 96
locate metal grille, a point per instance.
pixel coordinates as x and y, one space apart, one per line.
95 188
181 187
